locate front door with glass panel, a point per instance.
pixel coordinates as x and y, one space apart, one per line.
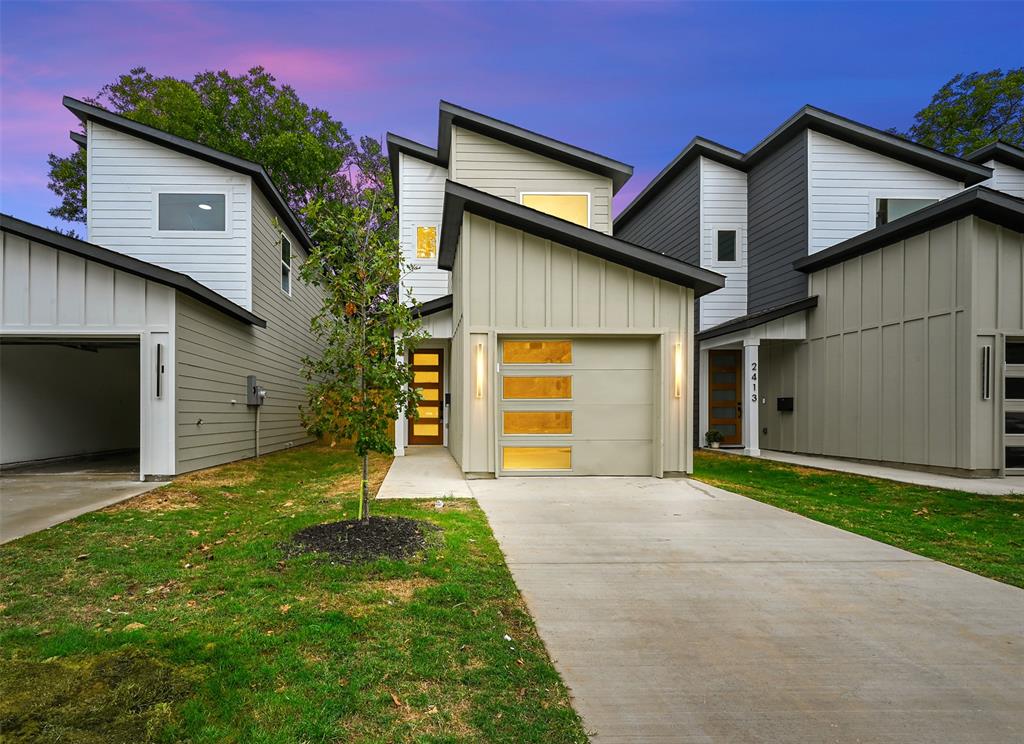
427 426
1013 408
724 406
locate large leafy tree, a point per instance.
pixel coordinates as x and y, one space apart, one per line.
305 151
971 111
360 383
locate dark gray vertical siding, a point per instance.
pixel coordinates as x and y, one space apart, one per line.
670 222
777 226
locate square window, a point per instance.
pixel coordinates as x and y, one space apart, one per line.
191 212
725 249
426 241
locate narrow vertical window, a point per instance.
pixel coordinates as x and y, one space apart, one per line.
286 266
426 241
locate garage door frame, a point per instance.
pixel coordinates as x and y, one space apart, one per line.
659 394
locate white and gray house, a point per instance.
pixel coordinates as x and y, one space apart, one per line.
173 333
873 306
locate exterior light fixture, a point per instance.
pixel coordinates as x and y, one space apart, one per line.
479 370
678 371
207 207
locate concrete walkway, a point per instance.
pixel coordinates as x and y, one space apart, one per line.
986 486
424 472
678 612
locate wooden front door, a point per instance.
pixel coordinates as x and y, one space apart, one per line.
427 426
725 407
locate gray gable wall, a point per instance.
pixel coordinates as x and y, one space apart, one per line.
670 223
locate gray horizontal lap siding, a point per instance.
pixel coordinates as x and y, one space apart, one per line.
670 222
215 353
777 226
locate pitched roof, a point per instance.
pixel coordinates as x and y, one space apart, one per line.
450 115
989 204
88 112
1001 152
430 307
459 198
121 262
755 319
825 122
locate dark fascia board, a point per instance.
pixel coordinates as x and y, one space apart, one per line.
86 112
825 122
121 262
430 307
1001 152
450 114
986 203
697 147
459 198
758 318
79 139
403 145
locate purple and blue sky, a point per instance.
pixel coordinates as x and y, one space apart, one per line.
634 81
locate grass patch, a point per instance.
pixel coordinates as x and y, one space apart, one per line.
982 534
176 617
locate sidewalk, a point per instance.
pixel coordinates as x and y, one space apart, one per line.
424 472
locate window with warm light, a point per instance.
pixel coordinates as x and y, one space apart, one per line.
426 241
536 352
537 422
569 207
536 388
536 458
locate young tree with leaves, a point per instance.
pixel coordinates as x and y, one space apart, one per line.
361 383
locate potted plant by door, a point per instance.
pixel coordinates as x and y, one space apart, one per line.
713 438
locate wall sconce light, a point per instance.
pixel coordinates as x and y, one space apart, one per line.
479 370
679 371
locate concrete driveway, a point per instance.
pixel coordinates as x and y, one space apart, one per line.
677 612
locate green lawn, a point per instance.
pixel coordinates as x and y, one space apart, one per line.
983 534
174 617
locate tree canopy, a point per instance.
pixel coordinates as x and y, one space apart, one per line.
971 111
308 154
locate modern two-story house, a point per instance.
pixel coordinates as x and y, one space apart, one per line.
175 332
874 299
555 347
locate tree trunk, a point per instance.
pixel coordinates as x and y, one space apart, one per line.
364 492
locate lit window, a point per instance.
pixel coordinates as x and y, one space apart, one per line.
535 388
191 212
725 245
536 352
286 266
426 241
536 458
570 207
537 422
887 210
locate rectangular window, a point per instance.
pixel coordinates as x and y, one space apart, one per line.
423 359
424 376
1015 388
191 212
536 352
536 458
537 422
424 430
536 388
429 393
569 207
1014 422
887 210
1015 352
286 265
725 245
426 241
1015 457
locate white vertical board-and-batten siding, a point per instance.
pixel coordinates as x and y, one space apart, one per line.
1005 178
723 205
845 180
420 203
125 174
507 171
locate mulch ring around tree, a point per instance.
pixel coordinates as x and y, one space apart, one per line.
354 541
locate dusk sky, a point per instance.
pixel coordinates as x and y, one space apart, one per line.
634 81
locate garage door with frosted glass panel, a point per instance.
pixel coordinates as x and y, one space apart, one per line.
579 406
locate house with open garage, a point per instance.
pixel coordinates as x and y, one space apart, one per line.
174 333
555 347
873 300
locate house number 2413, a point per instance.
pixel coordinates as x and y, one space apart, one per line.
753 382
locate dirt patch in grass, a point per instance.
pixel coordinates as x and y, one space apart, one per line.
401 589
348 484
461 505
118 696
166 499
354 541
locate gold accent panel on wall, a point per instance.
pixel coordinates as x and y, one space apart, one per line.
426 241
536 352
537 422
536 458
531 388
571 207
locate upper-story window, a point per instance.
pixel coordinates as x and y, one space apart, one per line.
286 266
726 245
887 210
570 206
426 241
191 212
